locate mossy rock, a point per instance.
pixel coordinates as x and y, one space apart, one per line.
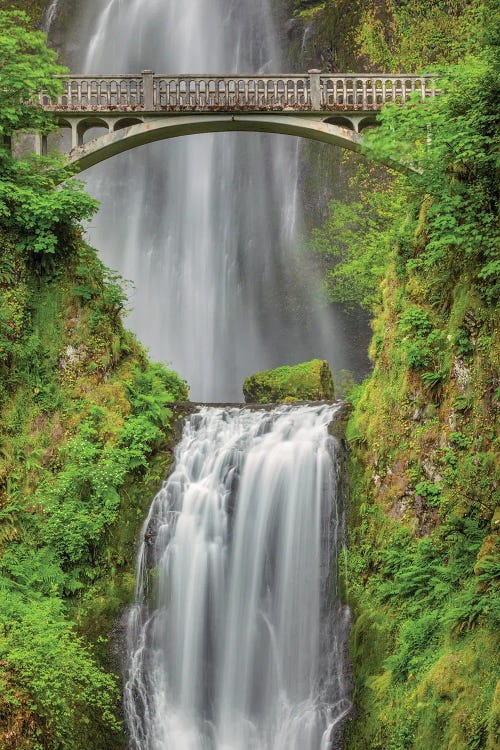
307 381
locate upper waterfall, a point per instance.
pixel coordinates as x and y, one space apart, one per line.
206 227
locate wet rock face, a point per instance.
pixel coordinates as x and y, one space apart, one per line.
307 381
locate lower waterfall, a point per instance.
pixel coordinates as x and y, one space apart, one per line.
236 638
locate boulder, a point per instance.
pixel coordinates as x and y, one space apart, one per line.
307 381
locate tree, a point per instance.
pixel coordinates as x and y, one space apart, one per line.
27 66
33 204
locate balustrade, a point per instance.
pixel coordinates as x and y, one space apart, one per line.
208 93
371 92
105 93
199 93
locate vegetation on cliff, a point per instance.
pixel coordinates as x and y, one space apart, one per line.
424 530
84 427
384 35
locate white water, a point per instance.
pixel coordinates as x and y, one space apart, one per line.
229 645
205 226
50 15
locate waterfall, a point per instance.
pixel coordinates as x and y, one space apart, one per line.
205 226
229 643
49 15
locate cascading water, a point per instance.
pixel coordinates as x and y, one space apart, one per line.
236 640
229 644
205 226
49 15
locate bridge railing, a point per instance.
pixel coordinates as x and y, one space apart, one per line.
314 91
231 92
371 92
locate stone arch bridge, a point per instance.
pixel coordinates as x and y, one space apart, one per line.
140 109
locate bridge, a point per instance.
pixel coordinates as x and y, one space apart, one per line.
147 107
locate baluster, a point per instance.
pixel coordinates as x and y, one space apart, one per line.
341 87
103 99
282 91
330 86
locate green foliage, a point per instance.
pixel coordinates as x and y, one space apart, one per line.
410 35
356 267
82 501
452 140
307 381
423 578
83 414
44 656
421 343
27 66
416 636
33 203
430 491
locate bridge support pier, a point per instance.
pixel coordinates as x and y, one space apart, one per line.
75 138
40 145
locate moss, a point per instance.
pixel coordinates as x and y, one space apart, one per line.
34 8
308 381
423 537
85 434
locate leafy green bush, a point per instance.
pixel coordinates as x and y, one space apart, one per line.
452 141
430 491
415 638
33 203
46 660
28 66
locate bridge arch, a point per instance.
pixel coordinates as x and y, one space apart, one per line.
367 122
138 133
89 123
126 122
342 122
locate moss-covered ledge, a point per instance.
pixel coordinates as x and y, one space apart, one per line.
307 381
